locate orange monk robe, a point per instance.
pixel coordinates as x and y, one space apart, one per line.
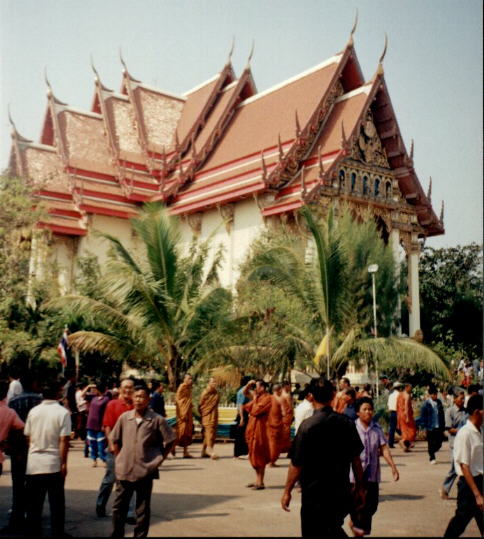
208 408
275 428
256 431
339 402
286 423
184 415
405 420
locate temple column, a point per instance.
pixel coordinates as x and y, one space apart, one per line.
395 246
413 289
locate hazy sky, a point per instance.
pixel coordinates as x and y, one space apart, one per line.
433 67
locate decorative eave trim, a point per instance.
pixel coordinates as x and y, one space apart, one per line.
184 145
199 157
290 163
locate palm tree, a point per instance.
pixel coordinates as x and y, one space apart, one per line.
327 277
158 306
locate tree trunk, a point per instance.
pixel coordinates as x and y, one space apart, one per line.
172 367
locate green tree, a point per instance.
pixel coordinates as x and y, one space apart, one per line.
157 308
451 298
28 331
328 280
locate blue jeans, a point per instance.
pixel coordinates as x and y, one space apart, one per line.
107 486
97 444
451 476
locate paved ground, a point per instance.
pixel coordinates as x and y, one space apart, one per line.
207 498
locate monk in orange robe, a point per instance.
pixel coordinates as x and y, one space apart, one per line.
256 433
405 420
339 402
184 415
208 409
275 424
287 416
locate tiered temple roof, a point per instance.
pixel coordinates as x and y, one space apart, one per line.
219 143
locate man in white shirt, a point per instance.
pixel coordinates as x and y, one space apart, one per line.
392 410
468 464
15 387
48 428
303 410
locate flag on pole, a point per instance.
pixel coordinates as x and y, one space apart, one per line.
322 351
63 349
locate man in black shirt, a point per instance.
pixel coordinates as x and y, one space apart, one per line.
22 404
326 444
157 401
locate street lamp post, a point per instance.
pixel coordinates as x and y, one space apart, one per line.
372 269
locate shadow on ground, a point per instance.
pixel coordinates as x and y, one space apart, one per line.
81 519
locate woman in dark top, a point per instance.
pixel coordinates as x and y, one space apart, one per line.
95 434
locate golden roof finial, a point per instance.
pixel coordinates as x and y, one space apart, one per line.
12 123
250 54
429 191
96 74
303 181
442 213
47 82
123 63
379 70
412 147
229 58
355 24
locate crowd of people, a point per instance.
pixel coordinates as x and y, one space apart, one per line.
337 441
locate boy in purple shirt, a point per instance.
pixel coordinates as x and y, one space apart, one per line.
95 433
374 443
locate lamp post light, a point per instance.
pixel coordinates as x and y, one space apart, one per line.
372 269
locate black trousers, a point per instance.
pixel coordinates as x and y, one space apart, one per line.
434 442
392 429
363 516
18 464
324 517
36 487
466 509
240 445
124 491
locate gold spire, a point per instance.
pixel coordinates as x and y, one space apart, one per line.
442 213
429 191
355 24
298 126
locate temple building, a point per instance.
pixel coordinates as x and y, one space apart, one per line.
228 160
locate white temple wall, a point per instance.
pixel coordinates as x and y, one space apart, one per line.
93 244
248 225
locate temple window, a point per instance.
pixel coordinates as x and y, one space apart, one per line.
365 185
388 190
342 179
353 181
376 187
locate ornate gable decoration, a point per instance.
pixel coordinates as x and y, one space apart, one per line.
368 147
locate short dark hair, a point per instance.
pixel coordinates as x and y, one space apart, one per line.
472 388
142 387
433 389
155 384
346 380
263 383
363 400
3 389
350 392
322 390
51 389
473 404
